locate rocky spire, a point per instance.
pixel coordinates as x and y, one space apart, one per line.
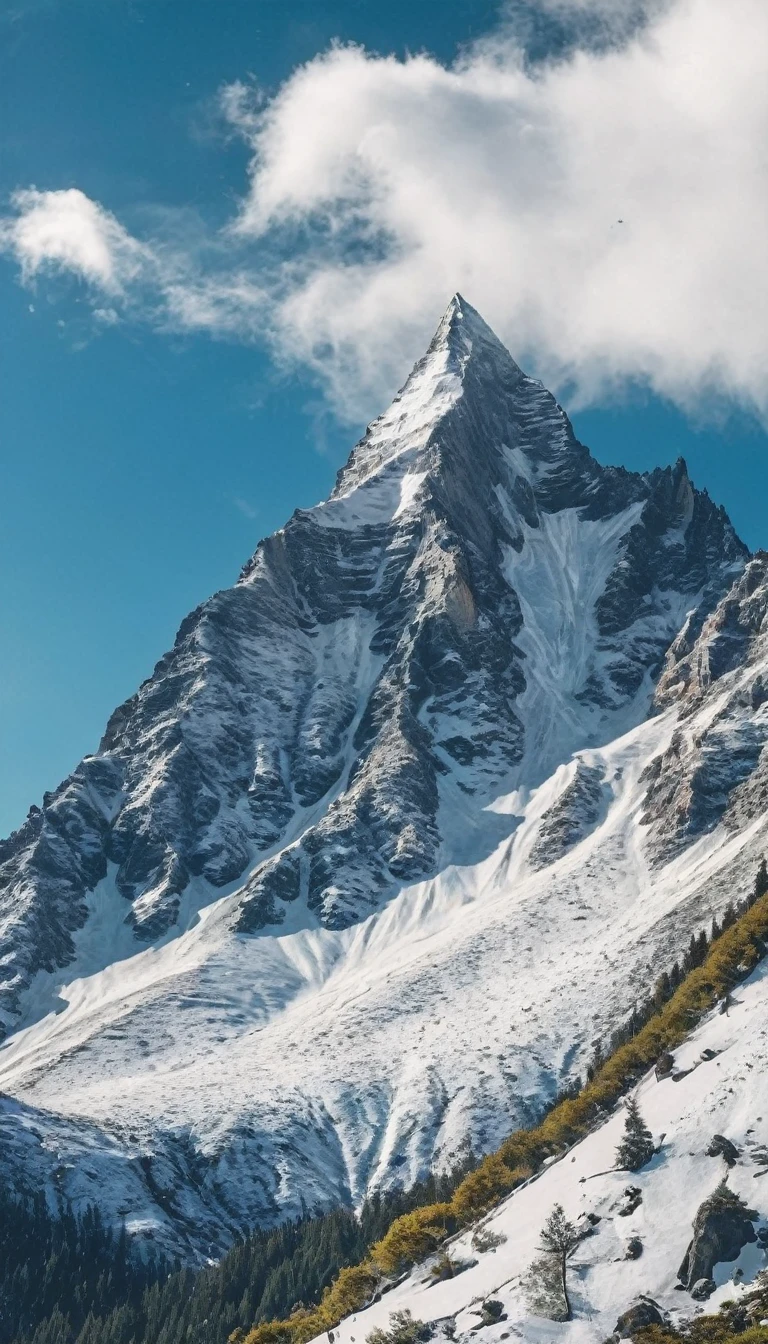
463 341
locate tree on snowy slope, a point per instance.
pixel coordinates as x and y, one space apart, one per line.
636 1147
403 1329
547 1282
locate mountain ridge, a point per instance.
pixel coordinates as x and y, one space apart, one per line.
412 740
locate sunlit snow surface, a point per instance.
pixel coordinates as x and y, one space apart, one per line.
214 1081
725 1095
452 1012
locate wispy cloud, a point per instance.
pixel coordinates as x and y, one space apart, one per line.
606 210
247 509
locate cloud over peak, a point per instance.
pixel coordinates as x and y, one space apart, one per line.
606 211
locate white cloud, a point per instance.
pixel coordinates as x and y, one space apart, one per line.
404 181
66 231
378 187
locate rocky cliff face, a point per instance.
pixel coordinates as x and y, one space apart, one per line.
714 769
366 745
301 727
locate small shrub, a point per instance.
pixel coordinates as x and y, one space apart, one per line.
443 1268
403 1329
485 1240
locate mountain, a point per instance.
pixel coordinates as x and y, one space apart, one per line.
403 823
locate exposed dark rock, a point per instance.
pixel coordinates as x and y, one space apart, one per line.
575 813
703 1289
275 882
703 653
634 1198
492 1311
634 1249
719 774
722 1147
642 1313
721 1229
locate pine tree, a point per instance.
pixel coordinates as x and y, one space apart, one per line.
729 917
663 989
636 1147
596 1062
559 1239
761 882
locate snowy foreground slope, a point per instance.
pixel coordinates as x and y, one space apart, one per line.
725 1093
404 822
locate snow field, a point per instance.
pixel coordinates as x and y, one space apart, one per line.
727 1094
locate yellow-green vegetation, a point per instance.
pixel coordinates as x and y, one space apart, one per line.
705 1330
415 1235
735 1322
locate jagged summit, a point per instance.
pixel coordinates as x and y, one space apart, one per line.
462 357
465 332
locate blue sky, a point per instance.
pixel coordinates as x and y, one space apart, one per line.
144 455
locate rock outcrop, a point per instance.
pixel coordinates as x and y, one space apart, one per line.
722 1147
721 1230
641 1314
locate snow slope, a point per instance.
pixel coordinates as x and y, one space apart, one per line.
361 872
726 1094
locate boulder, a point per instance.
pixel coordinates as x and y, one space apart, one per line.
702 1289
721 1229
634 1197
722 1147
642 1313
493 1311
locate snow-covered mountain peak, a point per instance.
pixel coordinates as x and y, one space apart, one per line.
396 745
464 351
465 333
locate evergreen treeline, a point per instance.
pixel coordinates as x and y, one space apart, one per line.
64 1282
55 1270
669 982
